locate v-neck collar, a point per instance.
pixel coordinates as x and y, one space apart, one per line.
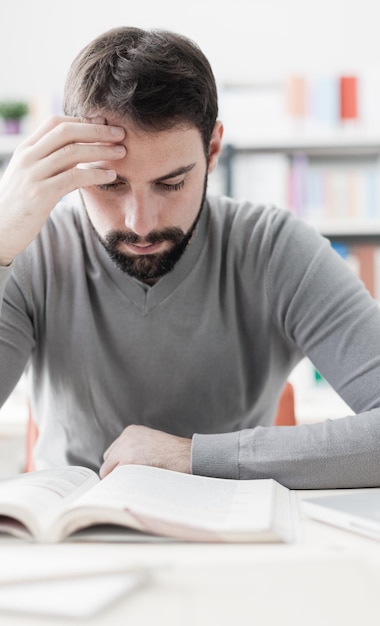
142 296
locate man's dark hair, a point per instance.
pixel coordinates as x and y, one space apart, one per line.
158 79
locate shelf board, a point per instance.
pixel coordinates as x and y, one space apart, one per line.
355 142
346 228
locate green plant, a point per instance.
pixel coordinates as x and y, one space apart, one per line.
13 109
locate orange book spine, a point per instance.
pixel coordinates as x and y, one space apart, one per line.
365 253
348 98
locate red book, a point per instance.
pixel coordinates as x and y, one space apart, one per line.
348 97
365 253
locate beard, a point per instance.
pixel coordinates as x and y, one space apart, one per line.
149 267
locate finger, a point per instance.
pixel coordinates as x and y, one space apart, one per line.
41 130
77 155
75 178
73 134
107 467
47 125
110 448
69 132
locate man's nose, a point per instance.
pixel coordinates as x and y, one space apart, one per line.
140 215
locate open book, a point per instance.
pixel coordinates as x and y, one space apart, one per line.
52 505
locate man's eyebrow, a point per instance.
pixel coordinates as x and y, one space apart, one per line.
177 172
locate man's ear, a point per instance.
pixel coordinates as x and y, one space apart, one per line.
215 146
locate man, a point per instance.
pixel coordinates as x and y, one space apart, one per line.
159 325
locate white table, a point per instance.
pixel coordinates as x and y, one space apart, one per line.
330 578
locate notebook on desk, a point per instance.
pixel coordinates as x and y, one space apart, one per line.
355 511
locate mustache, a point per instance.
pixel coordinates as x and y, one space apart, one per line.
173 234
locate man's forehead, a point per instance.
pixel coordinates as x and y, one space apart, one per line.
171 128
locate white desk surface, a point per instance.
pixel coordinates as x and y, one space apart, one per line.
329 578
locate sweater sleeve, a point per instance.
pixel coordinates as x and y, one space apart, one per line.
5 273
324 309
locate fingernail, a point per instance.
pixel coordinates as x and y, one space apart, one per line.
111 174
117 131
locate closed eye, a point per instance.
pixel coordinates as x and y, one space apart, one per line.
110 186
173 187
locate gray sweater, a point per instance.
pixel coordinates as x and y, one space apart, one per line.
204 353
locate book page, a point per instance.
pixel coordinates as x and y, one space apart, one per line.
212 505
36 498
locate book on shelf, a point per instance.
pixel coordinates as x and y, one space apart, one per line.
348 97
367 264
334 190
296 96
338 192
50 506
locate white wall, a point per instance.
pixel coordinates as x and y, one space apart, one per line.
246 40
